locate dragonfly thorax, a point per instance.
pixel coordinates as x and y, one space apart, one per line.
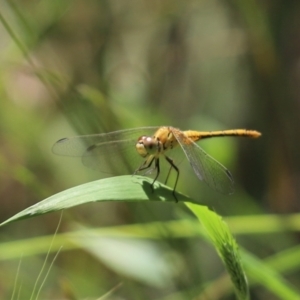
147 145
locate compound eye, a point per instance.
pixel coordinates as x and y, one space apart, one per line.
145 146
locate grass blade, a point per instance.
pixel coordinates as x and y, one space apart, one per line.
226 246
121 188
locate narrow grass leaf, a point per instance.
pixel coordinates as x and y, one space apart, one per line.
226 246
259 272
121 188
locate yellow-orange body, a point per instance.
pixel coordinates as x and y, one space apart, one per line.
166 136
95 150
206 168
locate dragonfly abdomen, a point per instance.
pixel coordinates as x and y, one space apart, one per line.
198 135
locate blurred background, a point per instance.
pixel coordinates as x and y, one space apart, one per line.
82 67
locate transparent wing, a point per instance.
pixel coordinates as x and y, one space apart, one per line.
113 152
206 168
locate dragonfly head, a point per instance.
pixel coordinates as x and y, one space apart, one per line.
147 145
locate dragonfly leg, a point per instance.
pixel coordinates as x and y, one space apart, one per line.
144 166
157 167
168 175
171 162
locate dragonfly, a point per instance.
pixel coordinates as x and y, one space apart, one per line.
140 150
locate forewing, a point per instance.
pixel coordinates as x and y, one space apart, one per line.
113 152
206 168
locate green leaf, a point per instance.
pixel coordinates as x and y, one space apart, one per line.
226 246
140 259
121 188
263 274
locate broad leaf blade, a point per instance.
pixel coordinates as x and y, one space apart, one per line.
121 188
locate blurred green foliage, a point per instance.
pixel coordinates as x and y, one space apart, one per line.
82 67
